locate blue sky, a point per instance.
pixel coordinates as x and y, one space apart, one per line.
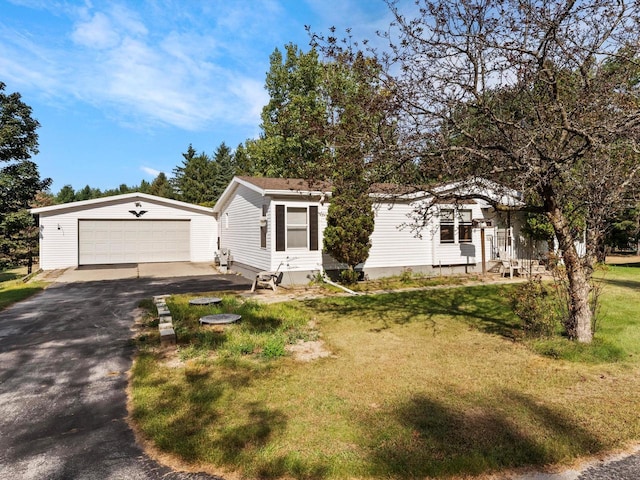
121 88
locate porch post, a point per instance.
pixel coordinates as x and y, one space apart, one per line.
484 259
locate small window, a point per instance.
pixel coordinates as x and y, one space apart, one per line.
296 227
263 229
465 226
447 226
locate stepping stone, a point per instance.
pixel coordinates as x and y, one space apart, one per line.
204 301
167 337
219 319
165 325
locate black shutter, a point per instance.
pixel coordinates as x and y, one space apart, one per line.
313 228
280 229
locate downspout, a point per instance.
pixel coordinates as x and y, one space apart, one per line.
325 279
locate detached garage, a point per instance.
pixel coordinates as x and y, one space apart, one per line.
130 228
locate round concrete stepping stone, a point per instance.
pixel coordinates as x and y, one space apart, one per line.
204 301
219 319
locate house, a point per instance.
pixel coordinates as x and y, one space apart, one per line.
129 228
275 224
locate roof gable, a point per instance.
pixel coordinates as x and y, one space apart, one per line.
97 202
266 186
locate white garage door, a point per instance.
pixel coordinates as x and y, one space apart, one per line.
133 241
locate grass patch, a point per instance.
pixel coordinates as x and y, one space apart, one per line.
409 279
263 331
435 383
13 289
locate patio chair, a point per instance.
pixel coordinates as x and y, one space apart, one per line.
267 279
511 266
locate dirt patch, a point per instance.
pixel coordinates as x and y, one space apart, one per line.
307 351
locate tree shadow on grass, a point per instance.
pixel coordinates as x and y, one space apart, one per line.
189 419
8 276
486 308
438 440
633 285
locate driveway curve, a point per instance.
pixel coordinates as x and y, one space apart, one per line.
64 358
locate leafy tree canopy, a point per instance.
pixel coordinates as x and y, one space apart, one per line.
20 180
540 96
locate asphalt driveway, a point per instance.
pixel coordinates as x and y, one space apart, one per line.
64 357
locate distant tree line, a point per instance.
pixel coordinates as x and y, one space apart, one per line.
199 179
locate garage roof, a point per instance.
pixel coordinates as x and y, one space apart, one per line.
95 202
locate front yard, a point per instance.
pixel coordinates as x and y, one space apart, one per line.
433 383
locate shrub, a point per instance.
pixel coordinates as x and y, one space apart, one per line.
349 277
406 276
538 307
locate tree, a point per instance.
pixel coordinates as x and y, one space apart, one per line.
18 137
624 231
144 186
161 187
19 239
350 223
242 162
325 121
19 179
66 194
540 96
292 141
223 159
193 179
357 127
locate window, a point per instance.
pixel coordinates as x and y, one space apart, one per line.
263 228
449 220
296 227
465 226
447 226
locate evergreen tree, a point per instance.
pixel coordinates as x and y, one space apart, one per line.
161 187
193 181
225 169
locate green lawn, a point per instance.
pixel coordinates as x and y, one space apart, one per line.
13 289
435 383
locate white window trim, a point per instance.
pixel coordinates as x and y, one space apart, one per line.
297 226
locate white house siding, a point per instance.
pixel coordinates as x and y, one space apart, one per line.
394 245
239 232
466 253
203 238
58 241
239 227
59 228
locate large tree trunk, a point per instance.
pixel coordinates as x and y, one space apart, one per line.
579 323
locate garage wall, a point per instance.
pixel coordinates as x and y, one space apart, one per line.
59 229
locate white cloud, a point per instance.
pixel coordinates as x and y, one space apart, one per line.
152 172
98 32
190 65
